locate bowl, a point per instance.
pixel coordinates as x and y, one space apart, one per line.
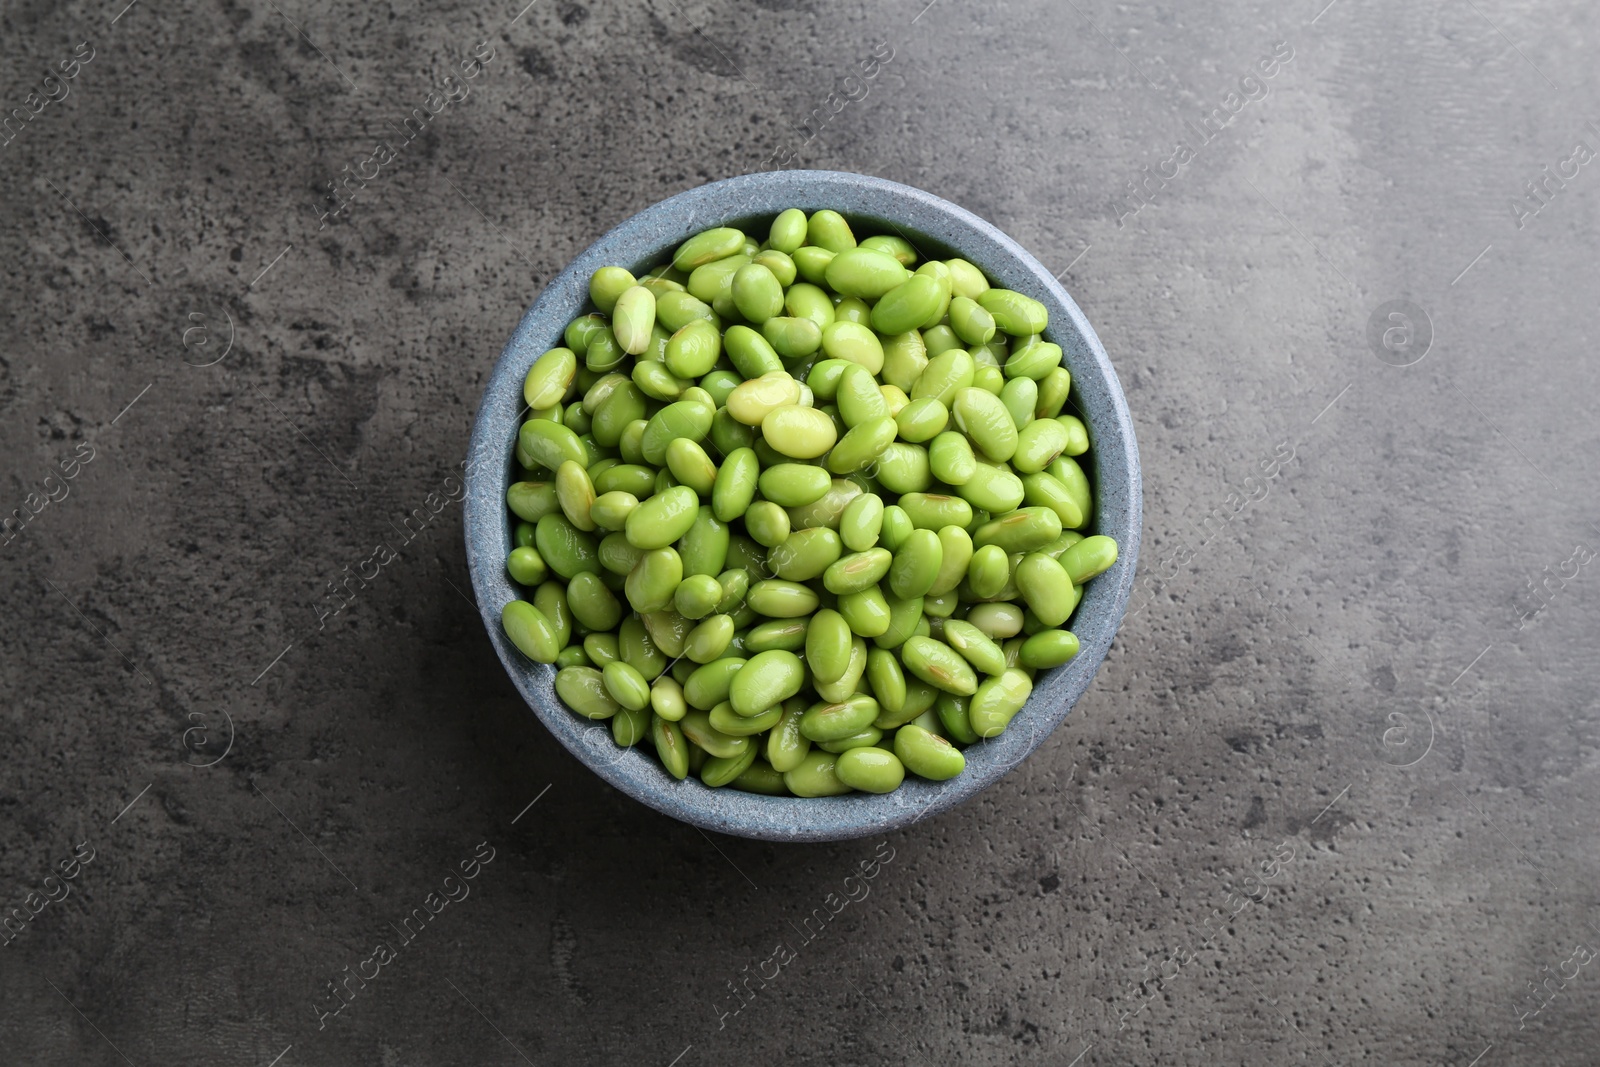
939 228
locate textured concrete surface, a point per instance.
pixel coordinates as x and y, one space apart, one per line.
1330 800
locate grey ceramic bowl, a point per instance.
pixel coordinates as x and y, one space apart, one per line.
938 228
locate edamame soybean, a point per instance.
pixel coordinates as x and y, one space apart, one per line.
827 488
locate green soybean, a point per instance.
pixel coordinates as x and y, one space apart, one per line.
532 633
814 776
834 721
871 770
997 701
1013 312
1089 557
805 554
939 665
786 746
707 247
927 755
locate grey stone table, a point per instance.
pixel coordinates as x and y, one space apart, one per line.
1330 800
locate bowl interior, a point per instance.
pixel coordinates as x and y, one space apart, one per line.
938 229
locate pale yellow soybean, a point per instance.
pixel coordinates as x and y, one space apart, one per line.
757 398
854 342
549 378
997 701
632 318
999 621
576 494
666 698
799 432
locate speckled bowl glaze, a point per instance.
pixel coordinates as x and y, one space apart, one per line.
938 228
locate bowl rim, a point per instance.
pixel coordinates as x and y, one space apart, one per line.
647 238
